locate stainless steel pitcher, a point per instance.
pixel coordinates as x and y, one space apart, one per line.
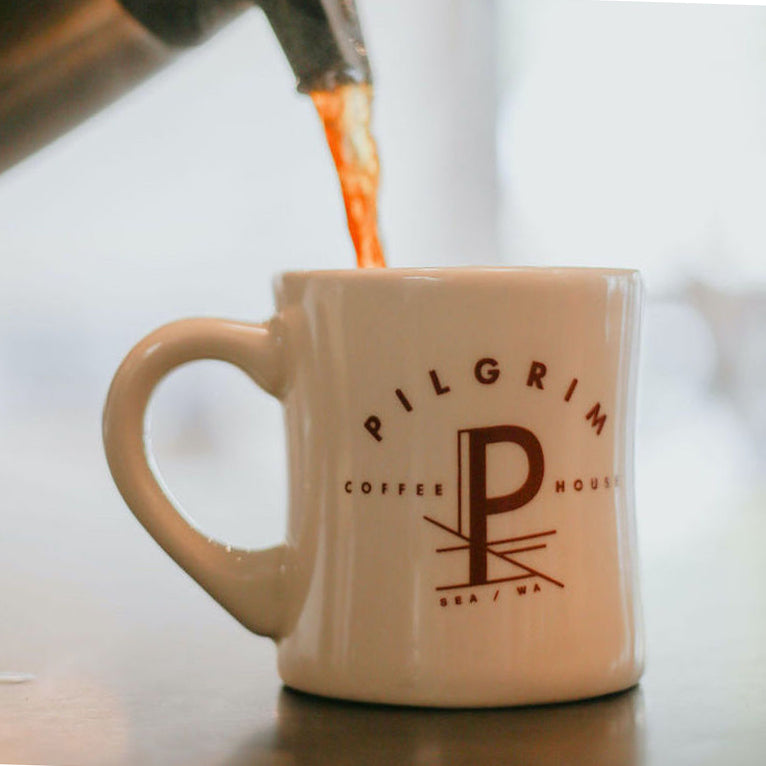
63 60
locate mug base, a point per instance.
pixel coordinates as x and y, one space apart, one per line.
467 699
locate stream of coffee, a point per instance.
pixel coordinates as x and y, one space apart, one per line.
345 113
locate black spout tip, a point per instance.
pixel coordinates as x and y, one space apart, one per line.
322 40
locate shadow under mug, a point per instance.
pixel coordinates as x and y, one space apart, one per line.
461 528
607 730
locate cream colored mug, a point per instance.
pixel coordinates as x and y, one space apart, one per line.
461 525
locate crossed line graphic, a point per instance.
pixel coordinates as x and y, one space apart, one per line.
505 555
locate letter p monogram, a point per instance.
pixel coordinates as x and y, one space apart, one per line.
472 488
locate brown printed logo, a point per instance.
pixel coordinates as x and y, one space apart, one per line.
469 531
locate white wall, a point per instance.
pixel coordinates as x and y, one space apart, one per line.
635 134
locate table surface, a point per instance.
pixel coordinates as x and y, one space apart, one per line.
111 655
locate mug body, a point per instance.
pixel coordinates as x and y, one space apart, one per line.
461 526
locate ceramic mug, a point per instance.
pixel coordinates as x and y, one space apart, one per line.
461 526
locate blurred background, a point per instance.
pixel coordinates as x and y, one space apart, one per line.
514 132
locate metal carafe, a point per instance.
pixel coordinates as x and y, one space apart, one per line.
63 60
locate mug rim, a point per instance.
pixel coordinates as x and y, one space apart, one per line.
433 272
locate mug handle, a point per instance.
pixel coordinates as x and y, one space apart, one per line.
247 583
